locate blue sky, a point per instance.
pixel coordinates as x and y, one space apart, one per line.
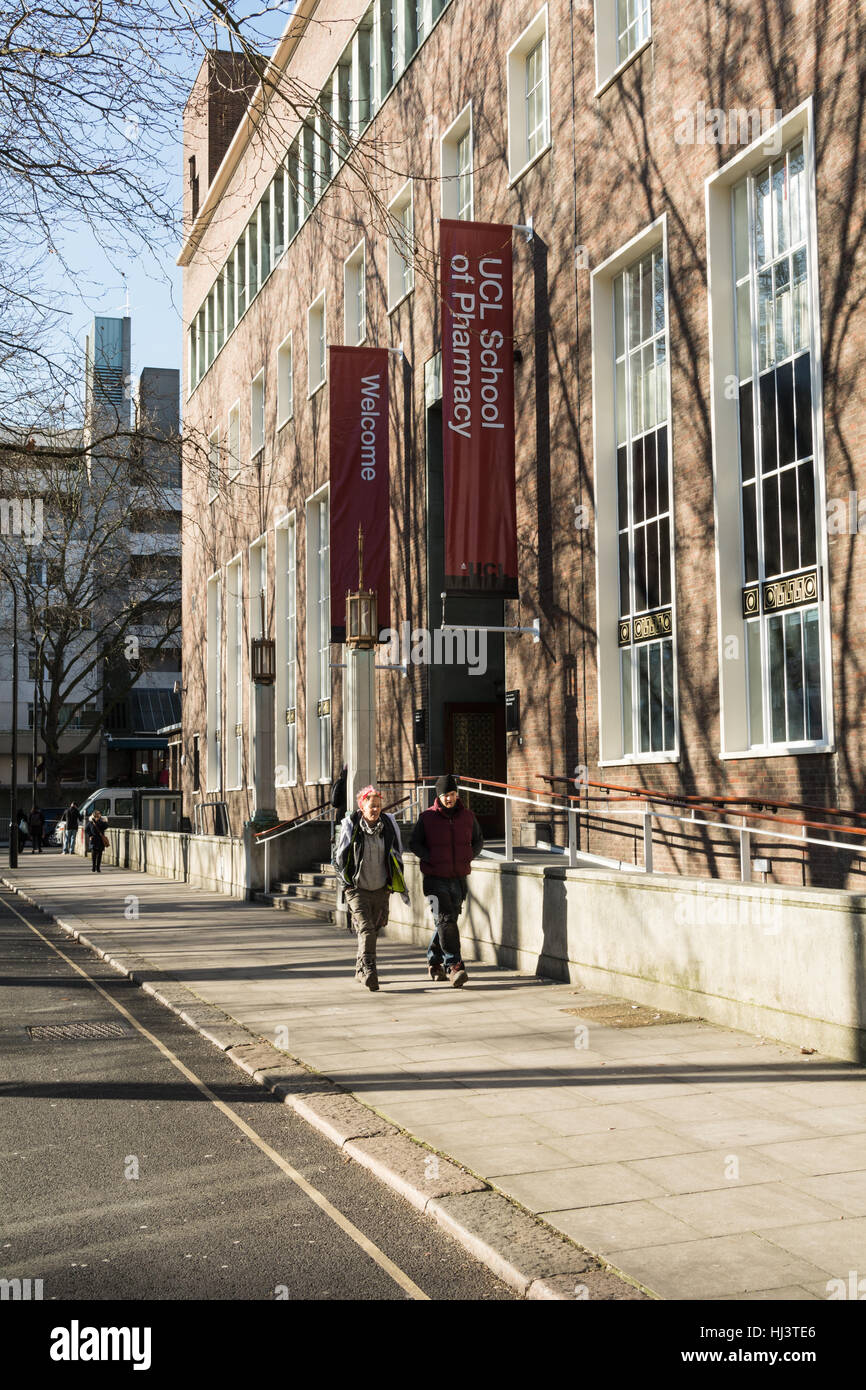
97 284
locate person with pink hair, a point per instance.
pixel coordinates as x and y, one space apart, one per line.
369 861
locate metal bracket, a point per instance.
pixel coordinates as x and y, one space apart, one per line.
535 629
526 229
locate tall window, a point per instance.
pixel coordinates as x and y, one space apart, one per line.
316 345
536 100
456 158
235 676
285 382
257 414
213 466
318 608
355 297
401 247
528 96
775 343
632 26
286 630
234 460
643 508
214 668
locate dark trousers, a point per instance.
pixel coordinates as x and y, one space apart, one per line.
446 897
36 837
96 853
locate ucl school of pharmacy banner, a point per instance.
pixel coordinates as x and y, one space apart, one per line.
478 408
359 479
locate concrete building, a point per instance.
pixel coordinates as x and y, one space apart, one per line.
119 516
688 384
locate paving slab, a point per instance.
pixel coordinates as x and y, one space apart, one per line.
626 1146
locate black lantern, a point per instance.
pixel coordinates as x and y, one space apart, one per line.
362 623
263 661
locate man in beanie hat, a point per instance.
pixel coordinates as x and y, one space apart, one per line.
446 839
369 861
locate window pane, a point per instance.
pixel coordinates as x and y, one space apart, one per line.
806 496
668 692
785 412
800 302
803 404
624 597
626 691
782 275
815 723
750 535
665 563
656 713
763 220
622 486
741 229
661 380
790 529
649 472
652 564
747 432
780 208
621 427
643 699
772 548
768 421
766 327
756 705
744 330
618 317
265 215
797 184
794 674
661 442
776 644
637 485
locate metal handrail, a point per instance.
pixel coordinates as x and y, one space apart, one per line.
575 806
682 798
273 832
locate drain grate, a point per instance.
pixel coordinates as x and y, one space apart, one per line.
77 1032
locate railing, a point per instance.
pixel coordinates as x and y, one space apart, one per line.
221 806
283 827
577 806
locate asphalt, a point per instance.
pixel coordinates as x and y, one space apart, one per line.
120 1179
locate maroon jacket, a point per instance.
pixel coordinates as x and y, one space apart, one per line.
447 841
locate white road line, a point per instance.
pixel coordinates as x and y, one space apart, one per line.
297 1178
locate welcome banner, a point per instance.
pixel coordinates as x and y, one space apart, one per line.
360 494
478 408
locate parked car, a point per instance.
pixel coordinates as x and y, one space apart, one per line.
53 815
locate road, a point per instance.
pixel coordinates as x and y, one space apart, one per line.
124 1177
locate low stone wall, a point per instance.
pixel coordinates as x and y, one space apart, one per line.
786 963
224 865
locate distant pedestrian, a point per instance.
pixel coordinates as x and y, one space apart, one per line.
23 831
369 860
37 825
446 839
338 811
73 817
95 832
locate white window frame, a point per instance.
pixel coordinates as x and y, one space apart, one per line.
733 684
318 312
608 63
285 382
318 678
234 440
401 271
449 146
611 741
519 159
213 465
355 295
235 673
213 754
257 413
286 640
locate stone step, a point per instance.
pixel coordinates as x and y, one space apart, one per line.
317 879
308 891
300 906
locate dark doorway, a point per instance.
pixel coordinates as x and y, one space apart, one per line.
475 747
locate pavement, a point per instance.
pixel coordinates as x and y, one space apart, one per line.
573 1153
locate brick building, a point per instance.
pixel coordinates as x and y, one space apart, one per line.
688 396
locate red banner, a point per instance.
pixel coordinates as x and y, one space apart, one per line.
478 409
360 493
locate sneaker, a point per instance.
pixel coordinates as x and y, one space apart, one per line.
436 971
457 976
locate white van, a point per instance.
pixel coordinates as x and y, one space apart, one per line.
114 805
